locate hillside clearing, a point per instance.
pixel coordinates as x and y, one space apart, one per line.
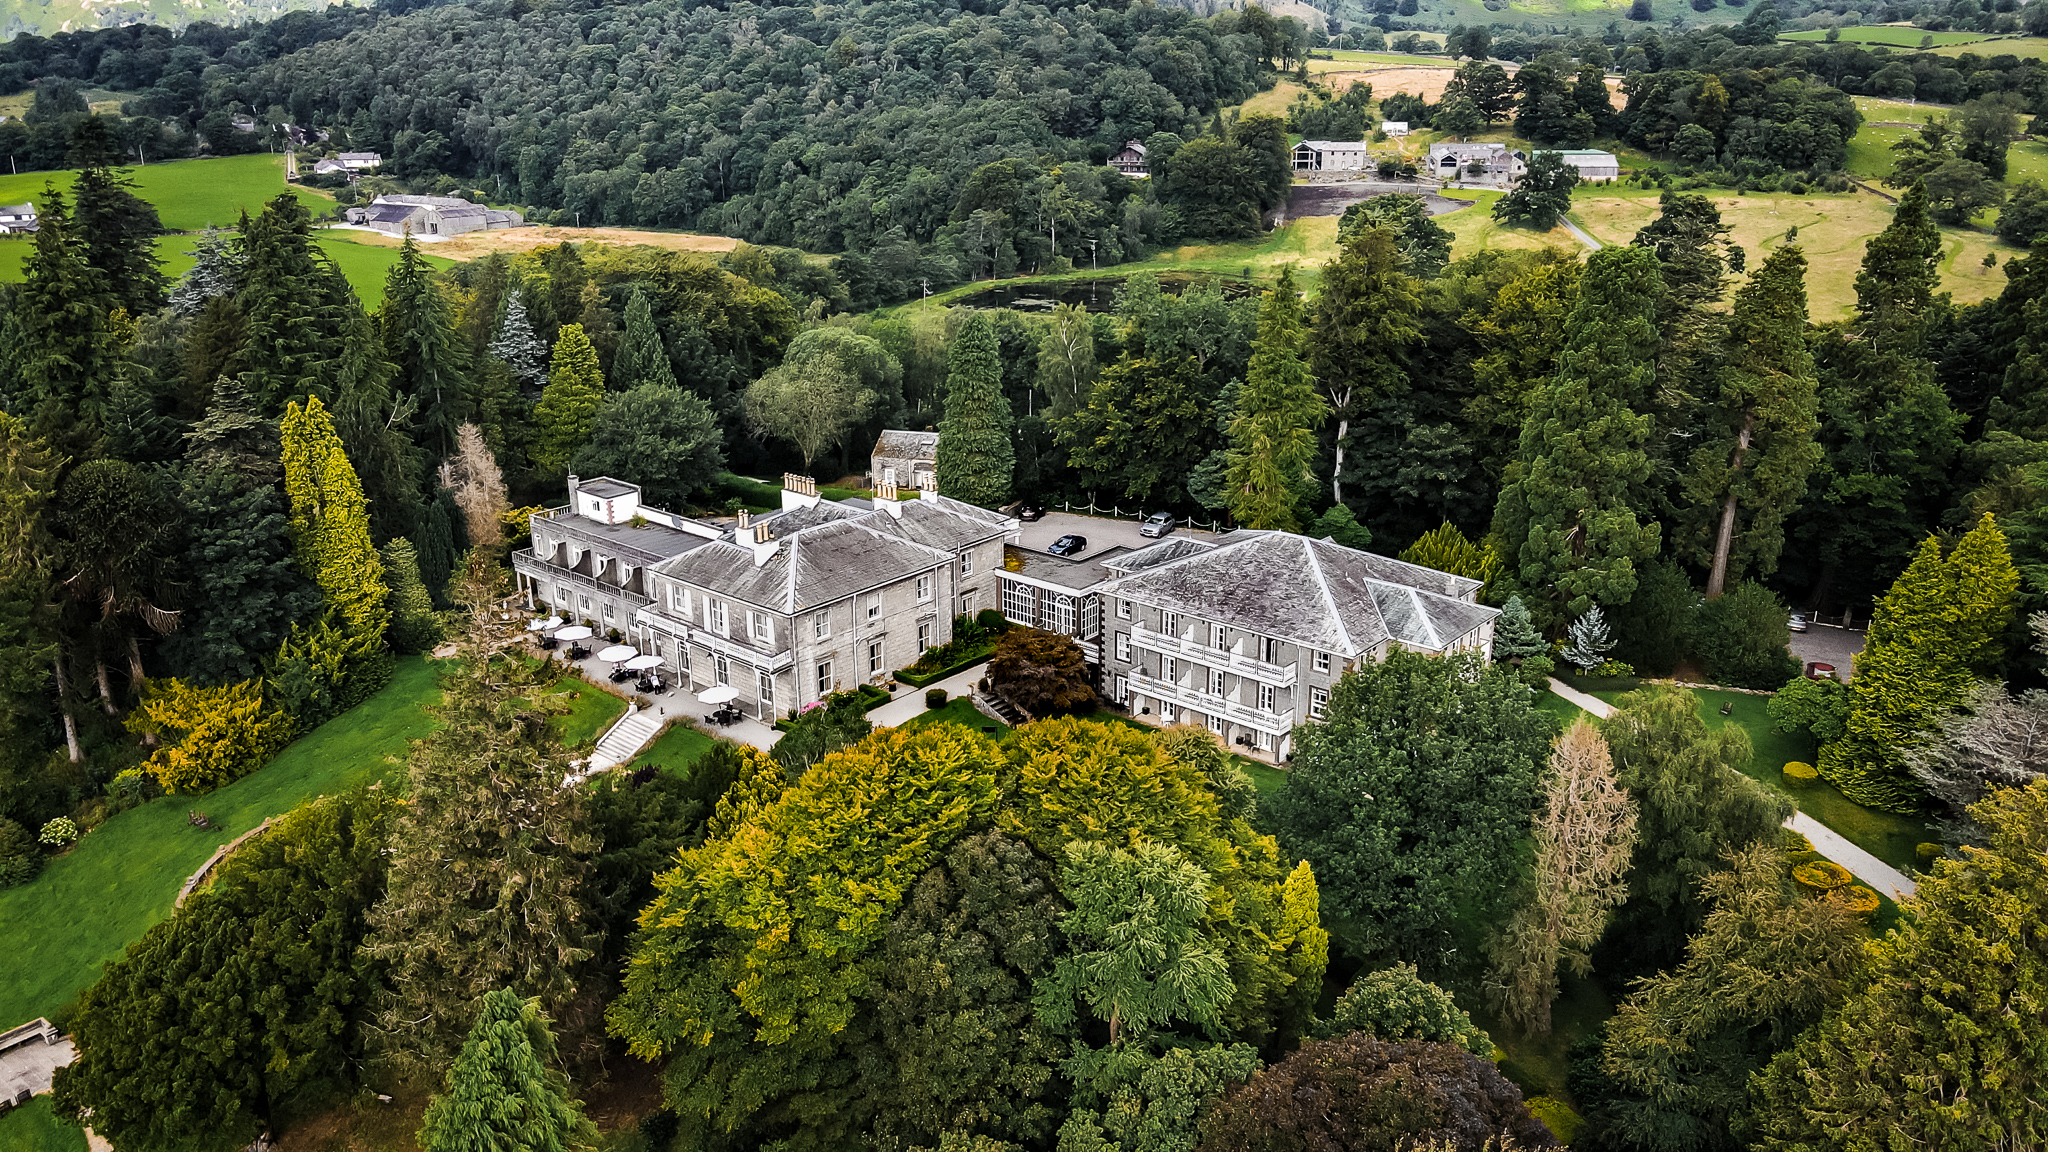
1895 36
471 245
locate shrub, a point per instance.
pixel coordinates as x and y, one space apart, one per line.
1614 668
1856 898
59 832
1801 771
210 735
991 621
1742 637
841 719
1927 853
1796 842
19 859
935 698
1041 672
1398 1004
1819 706
1821 875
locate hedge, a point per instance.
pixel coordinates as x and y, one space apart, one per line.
1822 875
976 655
872 696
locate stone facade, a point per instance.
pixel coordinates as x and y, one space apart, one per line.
904 459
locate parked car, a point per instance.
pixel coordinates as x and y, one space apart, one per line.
1068 545
1798 622
1157 524
1029 511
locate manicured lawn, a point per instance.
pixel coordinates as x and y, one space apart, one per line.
675 750
591 710
959 710
365 265
189 194
88 905
1266 778
31 1128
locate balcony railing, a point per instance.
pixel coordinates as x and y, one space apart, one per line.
547 575
1278 723
1278 675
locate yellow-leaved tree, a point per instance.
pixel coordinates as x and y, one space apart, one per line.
329 665
210 736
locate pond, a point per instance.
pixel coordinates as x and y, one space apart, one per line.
1096 295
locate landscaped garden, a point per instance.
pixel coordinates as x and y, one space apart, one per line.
674 750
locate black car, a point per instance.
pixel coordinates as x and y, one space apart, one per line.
1030 511
1068 545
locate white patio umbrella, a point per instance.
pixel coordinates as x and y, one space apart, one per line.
642 663
579 632
722 694
544 625
618 652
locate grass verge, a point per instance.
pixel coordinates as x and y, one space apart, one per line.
959 710
675 749
31 1128
591 710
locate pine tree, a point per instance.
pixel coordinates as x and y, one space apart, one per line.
60 352
504 1094
216 272
330 523
1514 633
243 585
137 430
1367 319
294 334
119 228
568 405
522 351
642 358
1273 432
488 859
976 456
1570 519
1588 640
1757 446
1585 836
419 340
1936 630
413 625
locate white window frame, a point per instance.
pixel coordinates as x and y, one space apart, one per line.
924 636
1219 637
824 678
1267 698
1168 712
967 562
1322 661
1263 741
719 616
924 588
1123 690
1172 670
721 669
1123 646
1169 623
821 624
1123 609
1215 723
874 605
760 626
1215 681
1318 702
764 681
875 661
679 600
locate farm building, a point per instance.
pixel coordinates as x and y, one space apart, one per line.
1394 127
425 216
17 218
360 161
1330 156
1592 163
1453 160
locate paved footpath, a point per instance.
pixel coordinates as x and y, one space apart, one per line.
1826 840
909 702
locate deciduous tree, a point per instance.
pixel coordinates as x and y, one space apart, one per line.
666 439
1042 672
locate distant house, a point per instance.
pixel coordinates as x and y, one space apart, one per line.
431 216
1454 160
904 459
242 123
361 161
17 218
1592 163
1130 160
1394 127
1330 156
329 167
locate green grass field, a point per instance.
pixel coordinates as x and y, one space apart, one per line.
59 929
959 710
1893 37
365 265
189 194
2024 47
591 710
675 749
31 1128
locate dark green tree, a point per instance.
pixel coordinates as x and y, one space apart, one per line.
60 355
642 357
1425 244
295 323
118 227
1408 799
431 364
666 439
1365 327
1741 638
1274 420
1573 518
1146 428
241 585
976 454
1542 196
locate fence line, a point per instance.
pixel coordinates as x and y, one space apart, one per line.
1094 509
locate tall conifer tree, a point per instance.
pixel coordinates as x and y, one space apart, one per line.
1273 432
642 358
1367 320
568 405
330 523
1570 519
976 453
521 350
420 342
118 227
293 336
60 350
504 1094
488 860
1757 446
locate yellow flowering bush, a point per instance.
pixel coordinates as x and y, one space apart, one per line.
208 736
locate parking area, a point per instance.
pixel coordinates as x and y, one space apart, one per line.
1102 533
1837 646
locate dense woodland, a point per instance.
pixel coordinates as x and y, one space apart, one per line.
229 502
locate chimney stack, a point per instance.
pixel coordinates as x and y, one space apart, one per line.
761 533
743 519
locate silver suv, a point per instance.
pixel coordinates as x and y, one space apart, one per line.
1157 524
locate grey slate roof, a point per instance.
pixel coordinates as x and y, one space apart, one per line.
907 445
1313 592
941 522
1169 549
811 567
645 544
789 520
389 213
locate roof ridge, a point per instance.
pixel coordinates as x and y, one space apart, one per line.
1315 566
1428 625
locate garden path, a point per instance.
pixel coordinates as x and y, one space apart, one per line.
909 702
1826 840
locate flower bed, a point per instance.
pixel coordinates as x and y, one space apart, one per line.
975 655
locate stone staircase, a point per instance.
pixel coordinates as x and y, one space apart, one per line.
624 740
1011 714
